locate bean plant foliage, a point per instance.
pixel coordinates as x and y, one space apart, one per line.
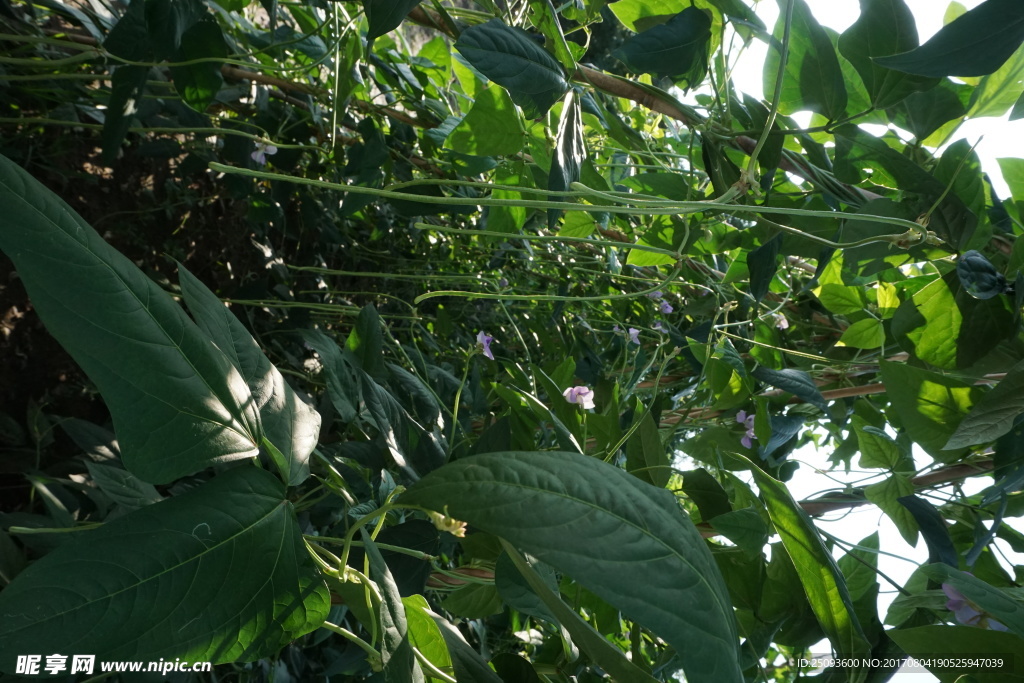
483 342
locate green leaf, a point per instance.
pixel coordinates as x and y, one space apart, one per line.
123 487
813 77
604 653
925 642
975 44
842 299
510 58
491 128
400 665
884 27
424 634
469 666
545 18
763 263
177 403
384 16
934 529
126 88
475 601
823 583
863 334
860 567
993 415
705 491
646 457
999 90
288 422
208 564
928 405
198 84
886 495
366 343
745 528
516 592
929 324
989 599
923 113
570 151
876 448
599 525
342 386
677 49
796 382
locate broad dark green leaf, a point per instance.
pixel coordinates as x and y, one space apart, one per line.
796 382
288 422
606 655
167 22
705 491
763 263
366 342
598 524
199 83
570 151
545 19
177 403
125 92
221 570
677 49
931 643
860 567
400 665
975 44
923 113
384 16
994 413
745 528
823 583
813 77
510 58
884 27
516 592
933 528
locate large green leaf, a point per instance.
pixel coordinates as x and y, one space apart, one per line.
821 578
622 539
994 413
884 27
292 425
177 403
221 570
975 44
198 83
677 49
987 598
510 58
400 665
813 77
929 324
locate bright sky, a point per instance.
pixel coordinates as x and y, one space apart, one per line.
1001 139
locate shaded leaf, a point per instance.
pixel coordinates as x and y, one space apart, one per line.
975 44
978 276
176 557
993 415
510 58
570 152
384 16
796 382
677 49
924 642
400 665
177 403
555 505
934 529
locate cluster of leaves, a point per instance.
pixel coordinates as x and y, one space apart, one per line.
720 284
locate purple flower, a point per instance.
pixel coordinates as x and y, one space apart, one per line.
658 326
665 307
634 335
583 396
484 341
656 294
616 329
748 422
781 322
262 150
967 612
